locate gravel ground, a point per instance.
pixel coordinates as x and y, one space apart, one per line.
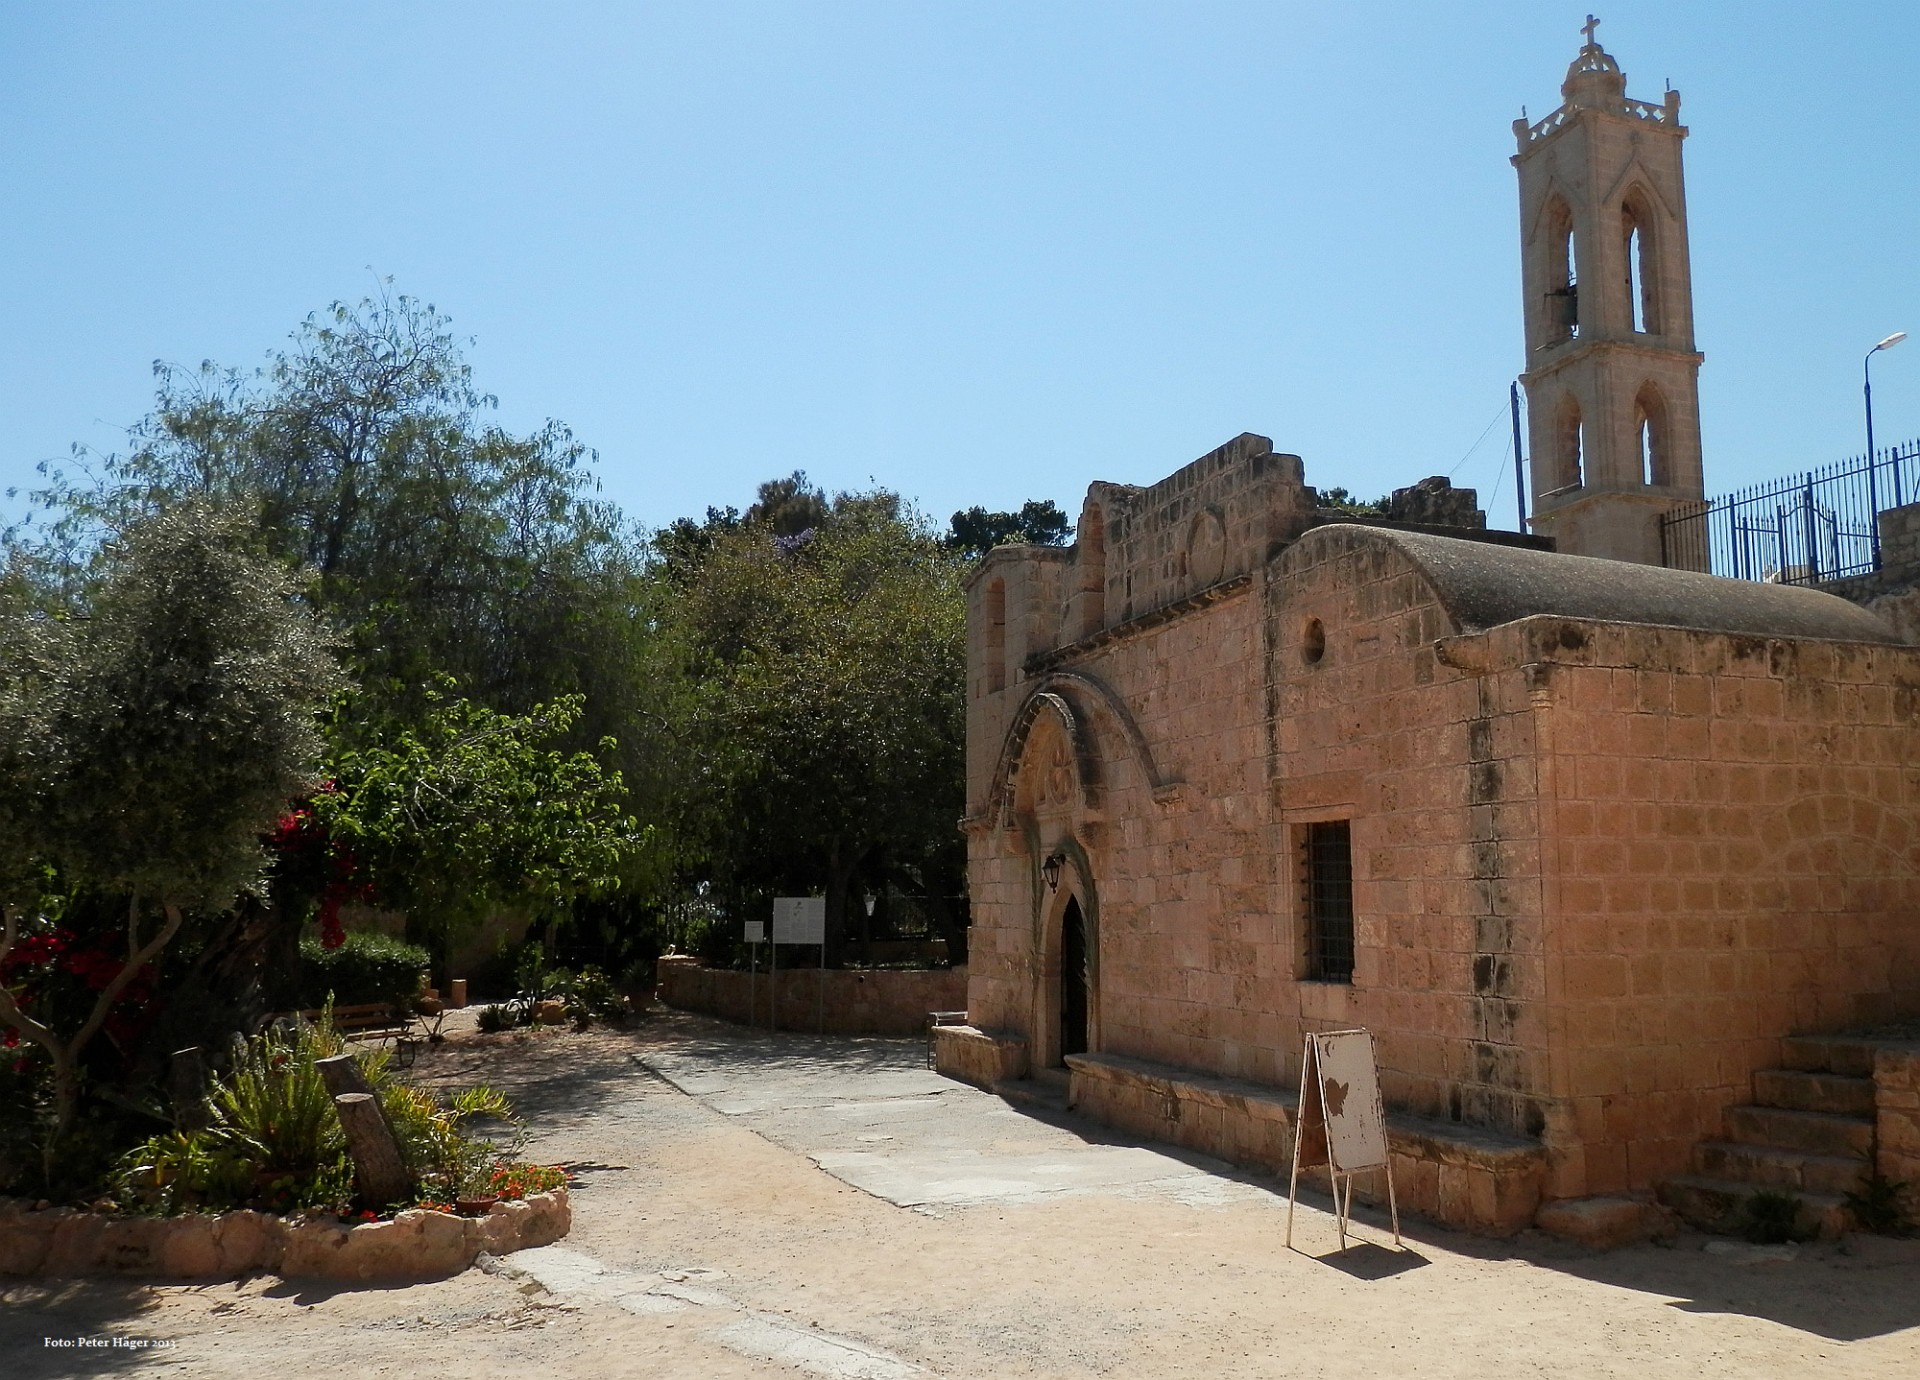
749 1205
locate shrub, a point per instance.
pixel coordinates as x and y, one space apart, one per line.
275 1140
1879 1203
369 967
1771 1217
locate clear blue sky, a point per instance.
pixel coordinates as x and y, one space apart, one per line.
977 252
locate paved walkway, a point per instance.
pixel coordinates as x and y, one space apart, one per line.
872 1115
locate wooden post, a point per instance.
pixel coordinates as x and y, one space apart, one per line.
342 1074
379 1172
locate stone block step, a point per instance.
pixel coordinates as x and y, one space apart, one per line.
1718 1205
1818 1133
1764 1166
1829 1054
1039 1094
1813 1092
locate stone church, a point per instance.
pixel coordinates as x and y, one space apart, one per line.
1598 845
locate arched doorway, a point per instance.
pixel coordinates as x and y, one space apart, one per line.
1074 982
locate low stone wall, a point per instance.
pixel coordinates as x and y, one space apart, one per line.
413 1245
1244 1123
872 1002
1463 1176
977 1057
1896 1111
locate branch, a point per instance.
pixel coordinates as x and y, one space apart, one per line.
10 1011
137 958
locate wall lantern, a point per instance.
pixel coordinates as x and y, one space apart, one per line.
1050 870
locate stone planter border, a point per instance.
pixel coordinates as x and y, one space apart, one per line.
415 1244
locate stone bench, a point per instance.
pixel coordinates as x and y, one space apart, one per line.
1465 1176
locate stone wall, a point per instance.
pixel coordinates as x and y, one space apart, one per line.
881 1001
1896 1104
414 1245
1729 856
973 1056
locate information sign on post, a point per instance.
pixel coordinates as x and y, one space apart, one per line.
755 935
1340 1122
800 920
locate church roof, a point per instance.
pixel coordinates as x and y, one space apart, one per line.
1483 586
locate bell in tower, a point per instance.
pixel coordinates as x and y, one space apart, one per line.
1612 376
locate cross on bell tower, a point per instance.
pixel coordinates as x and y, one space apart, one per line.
1612 374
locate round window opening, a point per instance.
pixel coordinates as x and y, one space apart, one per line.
1313 642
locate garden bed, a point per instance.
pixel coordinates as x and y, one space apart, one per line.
415 1244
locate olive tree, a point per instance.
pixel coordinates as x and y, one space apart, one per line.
151 730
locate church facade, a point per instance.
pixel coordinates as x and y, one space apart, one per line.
1583 835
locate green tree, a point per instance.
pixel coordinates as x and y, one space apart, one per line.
150 732
470 810
976 531
435 539
822 717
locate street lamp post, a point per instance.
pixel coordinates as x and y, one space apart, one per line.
1866 390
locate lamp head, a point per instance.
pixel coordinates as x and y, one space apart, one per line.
1050 870
1891 341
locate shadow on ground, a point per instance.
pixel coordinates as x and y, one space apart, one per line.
1860 1288
38 1316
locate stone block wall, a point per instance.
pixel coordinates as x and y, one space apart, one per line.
1730 856
1217 518
881 1001
1896 1101
1433 766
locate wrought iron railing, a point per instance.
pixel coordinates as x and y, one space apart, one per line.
1821 525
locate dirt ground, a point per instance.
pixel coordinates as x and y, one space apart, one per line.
708 1241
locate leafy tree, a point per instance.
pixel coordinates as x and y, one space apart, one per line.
976 531
1339 498
471 810
436 540
790 506
821 721
150 732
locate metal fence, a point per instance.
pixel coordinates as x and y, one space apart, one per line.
1821 525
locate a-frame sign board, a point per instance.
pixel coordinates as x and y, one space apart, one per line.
1340 1123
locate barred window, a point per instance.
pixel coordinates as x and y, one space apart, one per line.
1327 870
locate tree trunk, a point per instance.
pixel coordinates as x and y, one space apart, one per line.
380 1174
842 864
342 1074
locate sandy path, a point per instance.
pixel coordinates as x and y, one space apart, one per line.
708 1243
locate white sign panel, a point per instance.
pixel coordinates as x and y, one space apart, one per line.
1340 1124
800 920
756 932
1356 1132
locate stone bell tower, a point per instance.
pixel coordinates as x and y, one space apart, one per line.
1611 374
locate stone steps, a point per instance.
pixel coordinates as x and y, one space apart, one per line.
1719 1205
1042 1090
1769 1166
1798 1090
1808 1133
1816 1133
1829 1054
